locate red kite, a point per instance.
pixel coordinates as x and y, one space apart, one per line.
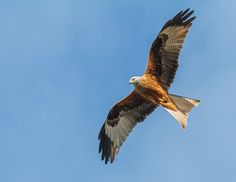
150 89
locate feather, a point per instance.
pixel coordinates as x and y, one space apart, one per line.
165 50
120 122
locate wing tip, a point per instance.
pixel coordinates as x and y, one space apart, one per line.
106 148
184 17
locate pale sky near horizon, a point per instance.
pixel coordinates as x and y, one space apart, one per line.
65 63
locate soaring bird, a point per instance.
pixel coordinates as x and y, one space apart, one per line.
150 89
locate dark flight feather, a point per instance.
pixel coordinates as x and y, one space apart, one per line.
119 123
165 50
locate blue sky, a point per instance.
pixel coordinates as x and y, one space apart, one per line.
65 63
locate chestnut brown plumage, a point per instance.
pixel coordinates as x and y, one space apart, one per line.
151 89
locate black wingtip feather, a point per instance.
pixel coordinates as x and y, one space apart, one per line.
178 14
104 145
189 21
185 17
182 18
185 11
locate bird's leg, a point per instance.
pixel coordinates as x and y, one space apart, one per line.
167 103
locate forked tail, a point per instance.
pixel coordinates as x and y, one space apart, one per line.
184 106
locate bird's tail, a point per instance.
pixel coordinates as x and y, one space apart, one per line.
184 106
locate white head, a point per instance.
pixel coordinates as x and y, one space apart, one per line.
134 80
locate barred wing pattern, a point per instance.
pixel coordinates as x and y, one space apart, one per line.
165 50
119 123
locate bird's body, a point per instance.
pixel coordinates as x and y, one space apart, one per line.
151 89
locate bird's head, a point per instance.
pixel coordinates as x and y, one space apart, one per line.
134 80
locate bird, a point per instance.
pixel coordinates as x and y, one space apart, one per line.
150 89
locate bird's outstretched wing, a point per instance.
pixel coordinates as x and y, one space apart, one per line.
164 52
119 123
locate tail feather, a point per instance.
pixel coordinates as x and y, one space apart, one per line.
184 106
183 103
179 116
